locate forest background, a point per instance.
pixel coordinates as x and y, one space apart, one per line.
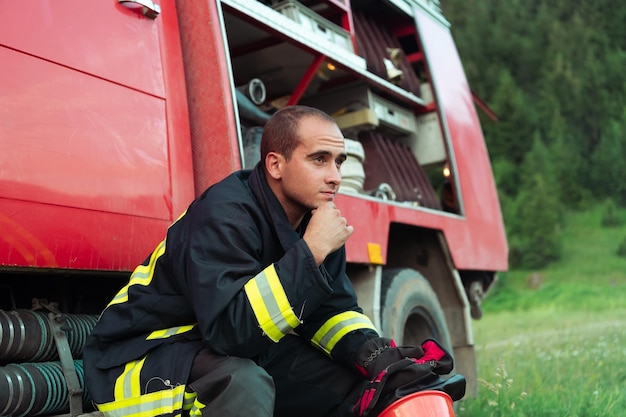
552 340
554 73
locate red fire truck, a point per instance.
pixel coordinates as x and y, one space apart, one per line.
115 114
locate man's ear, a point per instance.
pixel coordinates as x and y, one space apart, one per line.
274 164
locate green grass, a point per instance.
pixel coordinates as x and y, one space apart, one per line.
590 275
558 349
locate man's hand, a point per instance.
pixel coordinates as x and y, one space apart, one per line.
327 231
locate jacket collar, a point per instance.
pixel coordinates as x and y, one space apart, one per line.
273 211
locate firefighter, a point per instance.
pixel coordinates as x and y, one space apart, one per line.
245 308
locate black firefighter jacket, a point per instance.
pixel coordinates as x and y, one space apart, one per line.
232 272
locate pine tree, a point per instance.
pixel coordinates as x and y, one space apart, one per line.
510 138
536 225
608 170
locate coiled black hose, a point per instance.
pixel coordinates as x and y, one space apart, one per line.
27 336
32 389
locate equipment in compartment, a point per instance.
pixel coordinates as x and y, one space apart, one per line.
430 148
388 161
380 48
352 172
384 115
254 90
248 111
314 23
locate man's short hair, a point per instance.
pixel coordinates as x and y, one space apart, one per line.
280 133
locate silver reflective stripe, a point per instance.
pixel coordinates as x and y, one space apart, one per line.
167 401
337 327
165 333
269 302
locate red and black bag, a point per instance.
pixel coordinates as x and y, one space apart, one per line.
396 372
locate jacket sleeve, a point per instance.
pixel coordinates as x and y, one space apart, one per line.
338 327
242 305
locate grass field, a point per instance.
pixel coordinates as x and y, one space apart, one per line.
558 347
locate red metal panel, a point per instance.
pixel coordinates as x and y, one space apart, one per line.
95 162
102 38
49 236
75 140
177 112
371 220
481 242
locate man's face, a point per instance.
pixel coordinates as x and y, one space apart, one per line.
311 177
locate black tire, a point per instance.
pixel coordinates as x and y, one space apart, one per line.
411 312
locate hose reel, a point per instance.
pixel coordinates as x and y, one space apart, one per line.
34 388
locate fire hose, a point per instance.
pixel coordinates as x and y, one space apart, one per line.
45 377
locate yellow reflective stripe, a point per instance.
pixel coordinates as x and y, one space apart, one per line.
337 327
260 312
270 304
196 410
168 401
165 333
128 385
142 275
188 400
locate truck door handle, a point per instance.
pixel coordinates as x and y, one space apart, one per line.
149 8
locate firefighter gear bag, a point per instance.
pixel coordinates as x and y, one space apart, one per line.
394 374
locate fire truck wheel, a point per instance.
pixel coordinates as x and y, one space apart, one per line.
411 311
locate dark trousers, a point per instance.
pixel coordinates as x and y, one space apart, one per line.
231 386
293 379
